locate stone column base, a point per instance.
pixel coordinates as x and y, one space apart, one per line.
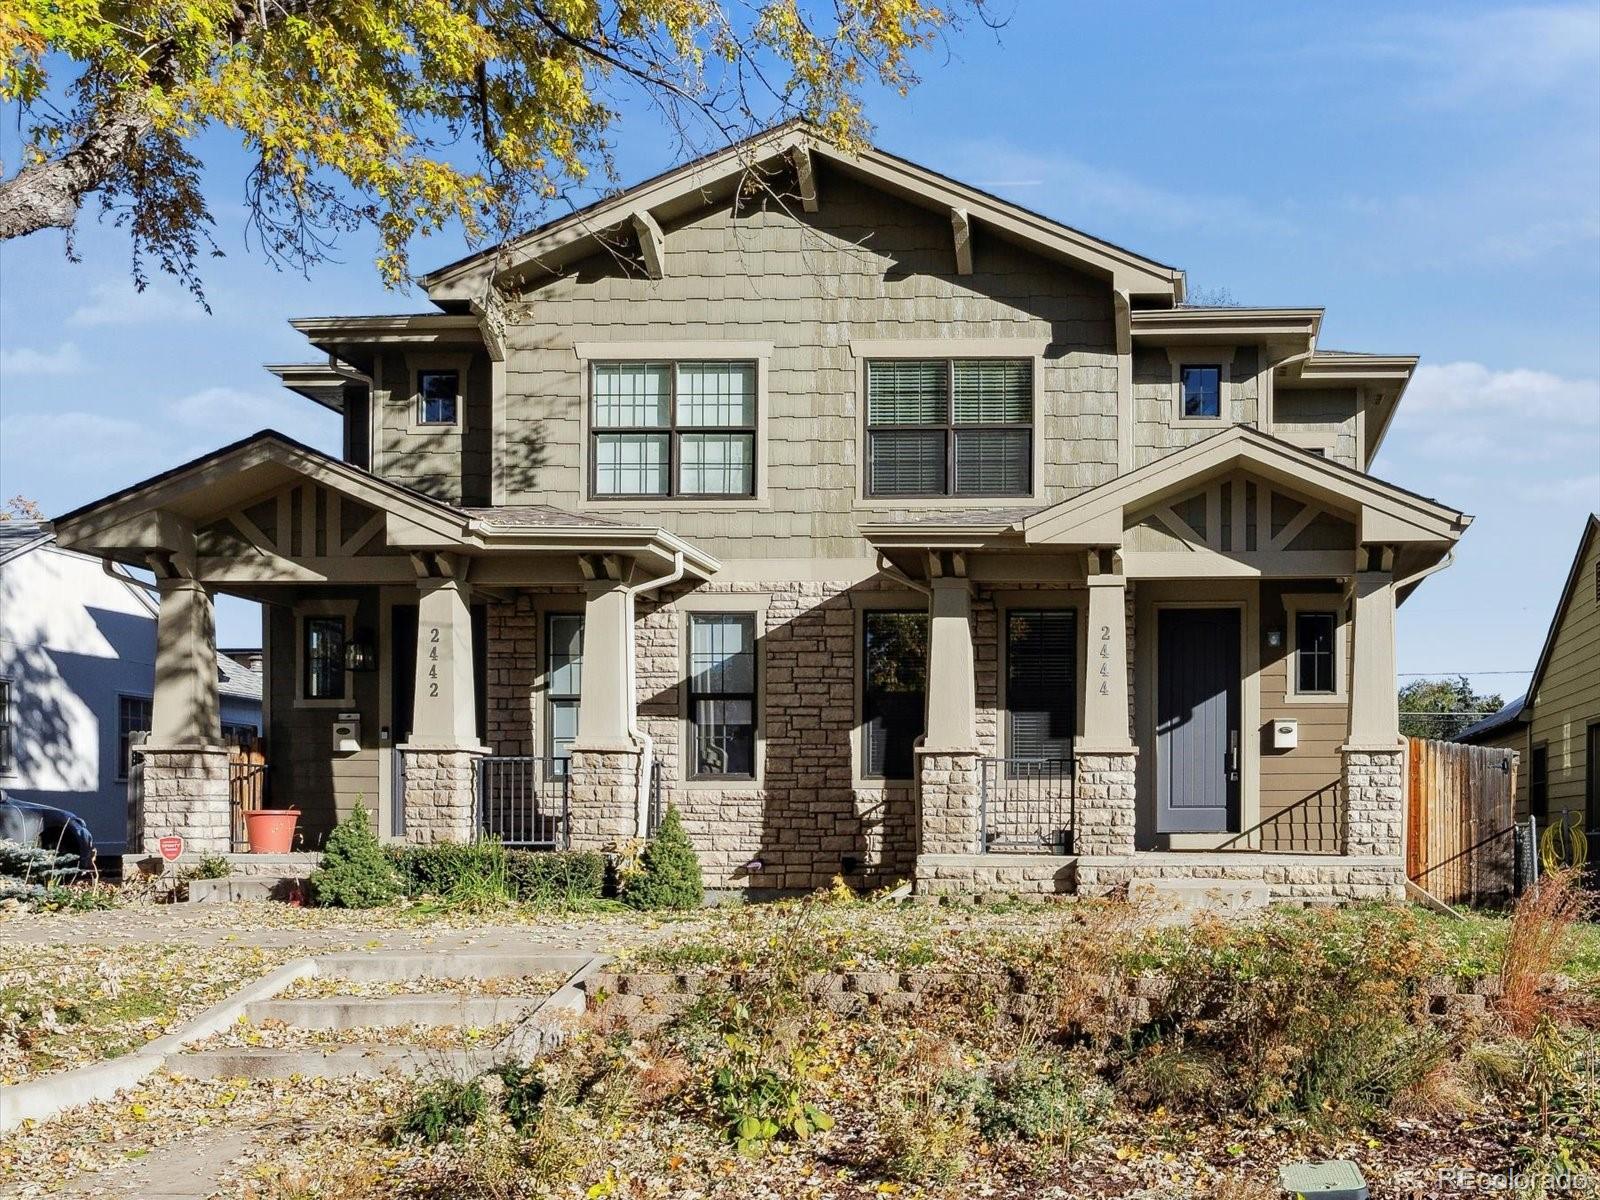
1374 801
441 800
603 797
1107 815
185 793
947 802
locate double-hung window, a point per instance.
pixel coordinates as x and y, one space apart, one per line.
673 429
1200 392
950 427
563 684
722 694
438 395
894 691
1041 683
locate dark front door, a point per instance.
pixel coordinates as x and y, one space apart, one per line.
1197 720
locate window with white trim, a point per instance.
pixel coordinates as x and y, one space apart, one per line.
1316 667
950 427
673 429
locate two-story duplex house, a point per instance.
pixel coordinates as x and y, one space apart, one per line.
886 528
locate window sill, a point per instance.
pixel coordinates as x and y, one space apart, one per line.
1314 698
675 503
729 783
890 503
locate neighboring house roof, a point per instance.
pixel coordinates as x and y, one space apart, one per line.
19 537
1590 529
684 188
1494 723
237 680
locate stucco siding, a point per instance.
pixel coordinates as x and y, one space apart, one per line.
864 267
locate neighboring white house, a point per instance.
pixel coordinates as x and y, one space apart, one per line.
77 673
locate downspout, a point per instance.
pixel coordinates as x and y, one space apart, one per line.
646 742
345 371
1410 582
348 372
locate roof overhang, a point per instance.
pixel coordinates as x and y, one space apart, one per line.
1380 378
356 339
314 381
677 192
160 515
1283 331
1384 514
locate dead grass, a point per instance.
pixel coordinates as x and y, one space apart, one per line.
1535 946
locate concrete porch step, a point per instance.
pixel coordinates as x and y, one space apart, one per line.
396 965
1224 896
341 1062
434 1010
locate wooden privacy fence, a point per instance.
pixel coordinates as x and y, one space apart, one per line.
1460 820
247 786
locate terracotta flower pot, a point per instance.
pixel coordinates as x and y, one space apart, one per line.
271 830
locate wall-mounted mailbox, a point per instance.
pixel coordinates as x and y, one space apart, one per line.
347 733
1285 733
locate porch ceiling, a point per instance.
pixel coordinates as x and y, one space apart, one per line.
269 509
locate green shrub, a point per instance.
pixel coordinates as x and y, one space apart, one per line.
531 876
211 866
443 1111
556 876
355 872
669 871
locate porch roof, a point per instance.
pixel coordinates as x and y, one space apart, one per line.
1385 513
160 515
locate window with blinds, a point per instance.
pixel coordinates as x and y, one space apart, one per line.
950 427
673 429
1041 683
722 694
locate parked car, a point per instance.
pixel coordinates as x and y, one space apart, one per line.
30 824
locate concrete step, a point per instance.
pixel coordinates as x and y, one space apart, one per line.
389 966
433 1009
330 1062
1225 897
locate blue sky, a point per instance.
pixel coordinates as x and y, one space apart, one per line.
1430 174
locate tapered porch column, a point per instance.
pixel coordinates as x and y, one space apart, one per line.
947 760
1106 757
441 756
185 773
1374 756
603 776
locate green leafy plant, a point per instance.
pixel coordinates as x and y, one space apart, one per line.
443 1111
211 866
29 872
544 877
355 872
668 875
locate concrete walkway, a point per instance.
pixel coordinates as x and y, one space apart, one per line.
187 1170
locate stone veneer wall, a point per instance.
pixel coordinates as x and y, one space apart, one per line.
441 797
1375 802
949 802
186 794
644 1001
603 798
1106 813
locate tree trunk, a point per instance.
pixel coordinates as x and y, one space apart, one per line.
47 195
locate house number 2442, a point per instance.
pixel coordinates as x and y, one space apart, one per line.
433 661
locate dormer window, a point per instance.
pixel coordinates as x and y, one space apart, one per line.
1201 392
438 397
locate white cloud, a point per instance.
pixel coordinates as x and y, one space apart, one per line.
1506 397
118 303
1462 57
24 360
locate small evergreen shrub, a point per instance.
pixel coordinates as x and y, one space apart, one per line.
355 872
668 875
28 872
443 1111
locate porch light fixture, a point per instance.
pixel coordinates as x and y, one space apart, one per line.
1275 638
359 652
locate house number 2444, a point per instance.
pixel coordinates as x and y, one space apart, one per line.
1105 660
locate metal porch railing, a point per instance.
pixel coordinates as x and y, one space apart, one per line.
656 810
1027 806
523 801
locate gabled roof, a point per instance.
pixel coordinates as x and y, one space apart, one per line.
1590 529
695 184
137 518
1386 512
1494 723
